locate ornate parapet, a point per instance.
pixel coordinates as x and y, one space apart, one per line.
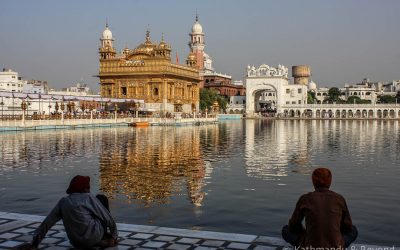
130 63
267 71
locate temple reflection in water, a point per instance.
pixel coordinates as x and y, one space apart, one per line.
152 163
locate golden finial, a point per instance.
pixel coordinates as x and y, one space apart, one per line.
148 34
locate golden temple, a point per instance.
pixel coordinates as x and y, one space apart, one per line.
147 73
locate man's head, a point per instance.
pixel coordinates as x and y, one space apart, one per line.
322 178
79 184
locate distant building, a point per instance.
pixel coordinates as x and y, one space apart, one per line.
210 79
36 87
390 88
78 90
223 85
10 81
237 105
321 94
362 90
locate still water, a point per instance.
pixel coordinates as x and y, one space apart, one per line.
238 176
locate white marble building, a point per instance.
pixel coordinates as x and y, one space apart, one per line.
271 79
10 81
363 91
237 105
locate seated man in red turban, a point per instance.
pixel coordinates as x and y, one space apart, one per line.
86 218
327 219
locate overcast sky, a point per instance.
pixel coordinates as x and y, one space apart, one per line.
343 41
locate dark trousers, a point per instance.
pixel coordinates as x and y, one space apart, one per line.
293 238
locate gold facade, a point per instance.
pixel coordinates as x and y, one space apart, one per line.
152 173
147 73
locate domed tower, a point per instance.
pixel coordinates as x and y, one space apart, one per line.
301 74
106 49
197 44
312 86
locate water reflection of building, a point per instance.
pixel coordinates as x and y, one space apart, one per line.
272 145
151 165
41 151
275 148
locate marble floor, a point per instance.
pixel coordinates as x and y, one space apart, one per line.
16 229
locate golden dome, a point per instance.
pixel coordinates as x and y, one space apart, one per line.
192 56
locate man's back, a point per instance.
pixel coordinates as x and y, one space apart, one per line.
81 214
85 220
326 218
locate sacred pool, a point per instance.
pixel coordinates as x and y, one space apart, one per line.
235 176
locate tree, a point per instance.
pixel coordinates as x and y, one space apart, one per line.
333 95
310 97
387 99
208 97
357 100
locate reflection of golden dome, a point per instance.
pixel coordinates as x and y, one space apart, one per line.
150 173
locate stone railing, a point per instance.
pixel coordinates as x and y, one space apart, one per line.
326 106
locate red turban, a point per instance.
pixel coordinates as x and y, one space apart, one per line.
79 184
322 177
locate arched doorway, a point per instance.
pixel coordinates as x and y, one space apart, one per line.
350 114
385 113
370 113
379 113
344 113
265 101
267 82
364 113
358 113
392 113
324 114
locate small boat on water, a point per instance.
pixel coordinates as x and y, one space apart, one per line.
139 124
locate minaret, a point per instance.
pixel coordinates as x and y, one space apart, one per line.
196 43
106 49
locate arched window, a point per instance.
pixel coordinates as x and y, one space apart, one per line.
155 91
